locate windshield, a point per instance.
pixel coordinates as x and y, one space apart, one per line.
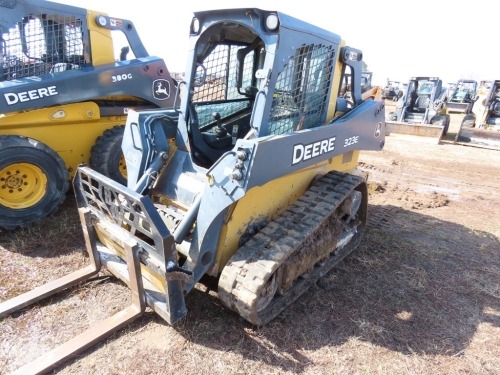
425 88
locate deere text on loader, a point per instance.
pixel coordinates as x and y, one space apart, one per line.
421 111
64 97
253 185
481 128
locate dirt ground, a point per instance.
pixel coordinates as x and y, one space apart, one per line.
421 295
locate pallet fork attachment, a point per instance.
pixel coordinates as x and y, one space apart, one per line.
101 330
142 255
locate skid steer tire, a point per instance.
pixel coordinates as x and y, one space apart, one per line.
106 155
33 181
469 121
446 124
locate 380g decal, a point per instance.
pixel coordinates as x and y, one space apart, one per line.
121 77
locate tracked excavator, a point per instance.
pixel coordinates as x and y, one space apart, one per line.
481 127
65 89
251 186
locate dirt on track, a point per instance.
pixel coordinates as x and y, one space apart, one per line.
421 295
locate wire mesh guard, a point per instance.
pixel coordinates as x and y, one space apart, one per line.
221 83
300 99
41 45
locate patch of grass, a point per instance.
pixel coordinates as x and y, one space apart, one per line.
59 234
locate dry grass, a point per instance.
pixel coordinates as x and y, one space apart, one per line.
419 296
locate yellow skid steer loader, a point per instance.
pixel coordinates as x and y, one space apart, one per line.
481 128
64 98
422 110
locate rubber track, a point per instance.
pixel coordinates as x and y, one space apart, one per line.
247 272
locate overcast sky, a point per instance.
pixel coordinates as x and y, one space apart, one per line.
399 39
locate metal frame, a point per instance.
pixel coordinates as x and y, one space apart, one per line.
131 224
96 333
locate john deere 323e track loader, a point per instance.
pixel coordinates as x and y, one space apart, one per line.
253 184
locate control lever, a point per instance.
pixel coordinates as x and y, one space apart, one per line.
220 132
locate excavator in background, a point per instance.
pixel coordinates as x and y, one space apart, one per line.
422 110
462 96
250 186
392 90
64 97
481 128
367 90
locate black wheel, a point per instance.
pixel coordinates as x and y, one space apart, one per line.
106 155
441 120
446 124
33 181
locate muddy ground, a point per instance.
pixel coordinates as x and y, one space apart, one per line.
421 295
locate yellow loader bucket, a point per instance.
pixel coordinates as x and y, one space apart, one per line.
478 137
433 133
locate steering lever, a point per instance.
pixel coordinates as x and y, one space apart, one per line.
219 131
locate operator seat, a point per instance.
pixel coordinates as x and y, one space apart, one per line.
422 103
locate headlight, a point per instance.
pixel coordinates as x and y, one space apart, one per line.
195 25
272 22
496 108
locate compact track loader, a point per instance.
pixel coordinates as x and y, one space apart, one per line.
64 100
251 186
481 128
422 110
462 96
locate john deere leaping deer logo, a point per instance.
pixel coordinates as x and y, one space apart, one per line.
378 130
161 89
